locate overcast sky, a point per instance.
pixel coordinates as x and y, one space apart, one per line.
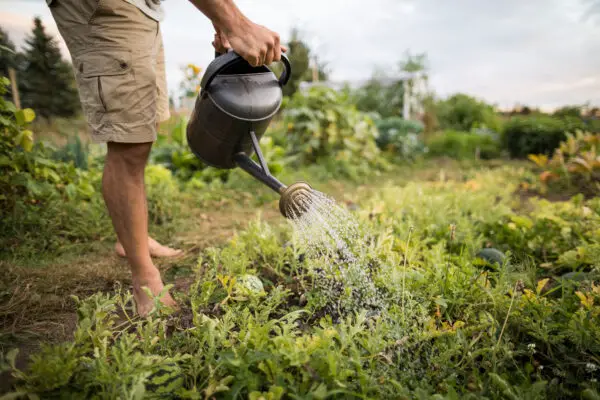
537 52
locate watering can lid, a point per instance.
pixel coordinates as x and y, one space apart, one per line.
243 91
248 97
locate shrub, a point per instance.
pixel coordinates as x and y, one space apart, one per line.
27 173
399 136
43 202
463 113
379 96
575 165
75 150
162 191
463 145
538 134
322 123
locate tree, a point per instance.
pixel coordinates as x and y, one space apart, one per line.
463 113
300 58
8 58
8 54
47 82
392 94
569 111
381 94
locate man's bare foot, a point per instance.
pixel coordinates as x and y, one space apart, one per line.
153 282
156 250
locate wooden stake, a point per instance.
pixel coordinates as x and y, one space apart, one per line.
15 90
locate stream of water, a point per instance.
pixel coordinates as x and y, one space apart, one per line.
334 240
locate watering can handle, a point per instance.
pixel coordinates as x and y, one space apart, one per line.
230 58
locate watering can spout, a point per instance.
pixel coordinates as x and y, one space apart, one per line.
258 172
294 198
292 203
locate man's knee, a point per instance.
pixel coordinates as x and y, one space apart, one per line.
134 155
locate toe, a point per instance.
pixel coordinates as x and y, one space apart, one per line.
120 250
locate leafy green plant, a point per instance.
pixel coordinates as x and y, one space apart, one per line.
559 235
450 329
537 134
74 150
162 190
43 202
575 165
463 145
28 173
400 137
323 125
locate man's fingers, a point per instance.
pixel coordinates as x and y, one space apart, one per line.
264 50
277 49
284 49
254 59
225 43
270 56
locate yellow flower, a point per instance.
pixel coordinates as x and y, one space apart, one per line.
586 301
194 68
541 284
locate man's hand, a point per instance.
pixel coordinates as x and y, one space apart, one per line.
220 44
255 43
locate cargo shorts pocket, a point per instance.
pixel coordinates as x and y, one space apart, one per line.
107 85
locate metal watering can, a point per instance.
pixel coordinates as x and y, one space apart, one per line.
232 112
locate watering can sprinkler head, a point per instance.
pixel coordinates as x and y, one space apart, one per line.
294 200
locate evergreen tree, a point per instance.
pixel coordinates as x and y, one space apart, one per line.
8 54
47 82
8 59
299 54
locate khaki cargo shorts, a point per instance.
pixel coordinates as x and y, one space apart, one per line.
118 57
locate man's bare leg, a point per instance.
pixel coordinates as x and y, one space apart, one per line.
125 197
156 249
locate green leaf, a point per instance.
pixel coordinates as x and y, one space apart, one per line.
10 107
590 394
5 161
27 141
320 392
24 116
14 395
29 115
20 179
5 121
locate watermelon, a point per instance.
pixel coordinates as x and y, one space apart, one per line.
491 256
251 283
165 381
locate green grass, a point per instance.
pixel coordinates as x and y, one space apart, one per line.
454 326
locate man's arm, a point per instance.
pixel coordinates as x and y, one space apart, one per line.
257 44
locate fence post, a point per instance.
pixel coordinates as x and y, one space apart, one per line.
15 88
